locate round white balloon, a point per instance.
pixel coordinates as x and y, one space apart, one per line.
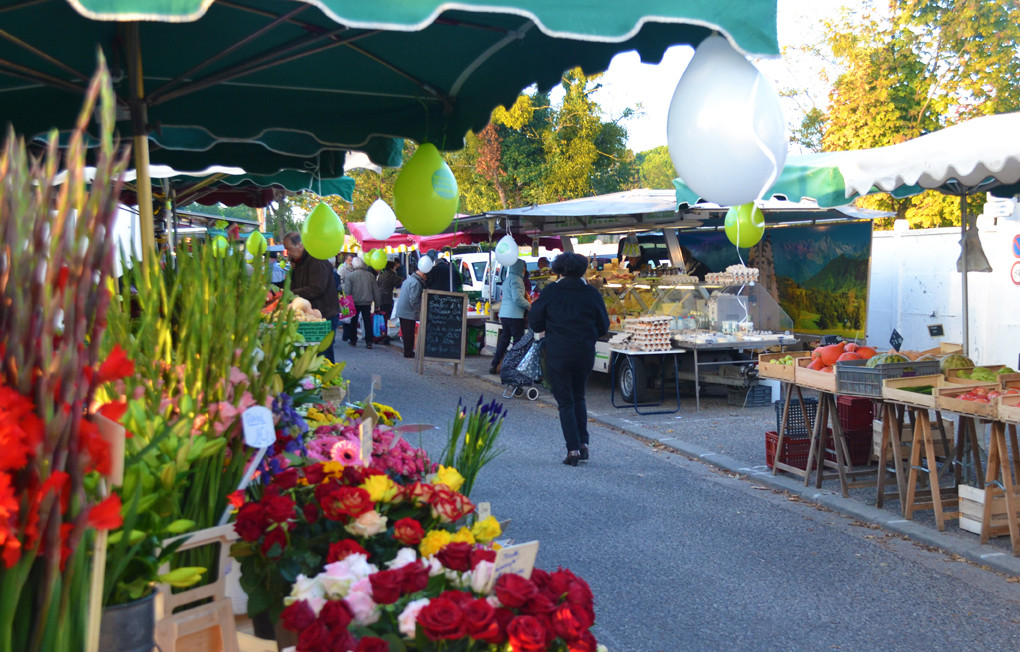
425 264
725 129
506 251
380 220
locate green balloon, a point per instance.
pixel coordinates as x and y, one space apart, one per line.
745 225
220 246
376 258
256 244
425 196
323 233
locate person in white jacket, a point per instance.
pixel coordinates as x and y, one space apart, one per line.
511 312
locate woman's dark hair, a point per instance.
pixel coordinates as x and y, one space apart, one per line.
570 265
391 265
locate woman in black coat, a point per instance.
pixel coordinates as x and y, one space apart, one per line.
573 316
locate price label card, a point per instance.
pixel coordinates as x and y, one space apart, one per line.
257 423
516 560
896 340
936 330
484 510
365 434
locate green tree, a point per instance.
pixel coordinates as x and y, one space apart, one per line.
655 168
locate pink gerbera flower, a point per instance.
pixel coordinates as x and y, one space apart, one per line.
345 451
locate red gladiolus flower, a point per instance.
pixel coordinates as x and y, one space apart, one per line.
116 366
409 532
97 448
65 549
9 509
342 549
236 498
21 431
114 410
106 515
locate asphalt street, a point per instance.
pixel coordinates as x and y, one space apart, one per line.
689 544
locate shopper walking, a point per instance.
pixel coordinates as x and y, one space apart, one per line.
511 312
360 285
573 316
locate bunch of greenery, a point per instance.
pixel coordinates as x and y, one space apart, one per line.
472 442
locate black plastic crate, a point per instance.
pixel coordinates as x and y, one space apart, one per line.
795 426
757 396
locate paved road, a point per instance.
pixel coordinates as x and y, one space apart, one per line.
684 555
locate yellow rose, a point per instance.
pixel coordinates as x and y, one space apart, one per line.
433 542
333 469
380 488
463 535
449 476
486 529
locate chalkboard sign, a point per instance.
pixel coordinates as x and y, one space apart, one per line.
443 327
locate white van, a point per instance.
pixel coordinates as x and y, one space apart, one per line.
472 273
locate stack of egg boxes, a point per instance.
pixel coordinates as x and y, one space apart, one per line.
648 333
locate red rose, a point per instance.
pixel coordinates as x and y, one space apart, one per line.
513 590
279 509
557 583
274 544
569 621
341 639
441 619
286 479
539 605
481 554
480 621
353 476
408 531
310 512
387 585
448 505
297 617
315 638
251 521
416 577
579 593
526 634
372 644
420 493
456 556
336 614
541 580
459 598
347 501
586 643
314 473
342 549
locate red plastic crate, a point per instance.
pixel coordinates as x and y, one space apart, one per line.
858 444
855 413
795 450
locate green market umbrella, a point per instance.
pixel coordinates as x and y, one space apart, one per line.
341 72
237 189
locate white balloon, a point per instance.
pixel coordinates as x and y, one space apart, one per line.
425 264
725 129
506 251
380 220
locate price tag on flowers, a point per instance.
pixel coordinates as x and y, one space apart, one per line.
257 423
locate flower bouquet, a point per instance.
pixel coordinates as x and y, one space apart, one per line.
441 601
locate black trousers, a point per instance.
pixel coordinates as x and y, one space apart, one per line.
567 377
365 311
407 336
513 327
328 353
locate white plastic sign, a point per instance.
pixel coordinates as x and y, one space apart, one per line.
257 423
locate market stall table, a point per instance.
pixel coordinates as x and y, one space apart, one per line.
631 356
711 344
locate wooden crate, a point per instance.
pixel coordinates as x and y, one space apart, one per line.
783 372
821 380
1009 409
907 439
1009 380
892 390
946 399
972 505
953 375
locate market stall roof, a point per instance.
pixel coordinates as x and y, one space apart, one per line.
973 156
422 242
252 190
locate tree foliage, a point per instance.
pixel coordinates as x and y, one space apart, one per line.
655 168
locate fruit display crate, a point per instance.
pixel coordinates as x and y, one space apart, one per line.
795 426
855 412
953 375
1009 409
894 389
777 371
948 399
853 378
314 331
821 380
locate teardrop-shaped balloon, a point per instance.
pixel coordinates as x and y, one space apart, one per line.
380 220
256 244
220 245
323 233
507 251
425 195
725 128
744 224
376 258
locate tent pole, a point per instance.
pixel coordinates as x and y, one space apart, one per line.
963 263
139 118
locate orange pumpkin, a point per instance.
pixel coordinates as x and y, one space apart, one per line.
816 364
849 355
829 354
851 347
828 370
865 352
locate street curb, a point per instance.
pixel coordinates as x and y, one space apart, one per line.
997 561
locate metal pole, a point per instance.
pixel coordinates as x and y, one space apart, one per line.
963 262
139 118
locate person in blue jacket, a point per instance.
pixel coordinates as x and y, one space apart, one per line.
511 312
573 316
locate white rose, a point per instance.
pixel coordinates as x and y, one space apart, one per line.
359 599
481 575
306 588
368 524
404 557
408 618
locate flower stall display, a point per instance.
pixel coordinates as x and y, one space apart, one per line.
54 462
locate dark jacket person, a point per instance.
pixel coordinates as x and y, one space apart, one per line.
313 279
573 316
